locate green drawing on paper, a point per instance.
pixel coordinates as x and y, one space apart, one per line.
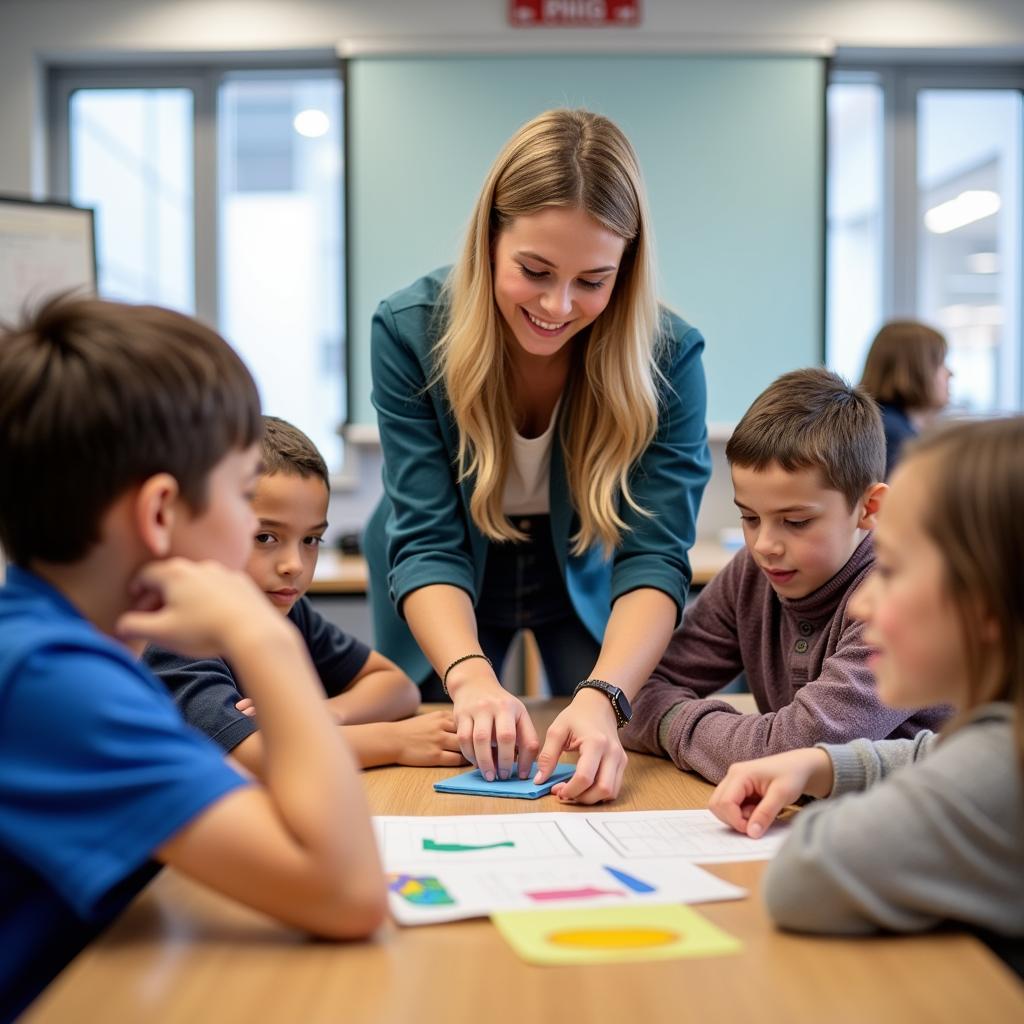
435 847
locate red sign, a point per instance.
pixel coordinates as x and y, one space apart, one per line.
577 13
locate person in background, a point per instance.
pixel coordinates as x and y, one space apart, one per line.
906 374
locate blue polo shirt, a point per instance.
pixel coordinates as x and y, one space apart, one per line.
97 770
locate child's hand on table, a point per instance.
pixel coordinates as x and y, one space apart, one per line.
425 741
753 793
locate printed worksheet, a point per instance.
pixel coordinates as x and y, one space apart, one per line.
454 867
431 894
696 836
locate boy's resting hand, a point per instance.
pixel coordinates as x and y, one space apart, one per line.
424 741
200 609
247 707
753 793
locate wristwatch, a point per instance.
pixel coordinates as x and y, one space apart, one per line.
623 712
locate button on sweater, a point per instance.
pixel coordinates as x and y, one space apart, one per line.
806 664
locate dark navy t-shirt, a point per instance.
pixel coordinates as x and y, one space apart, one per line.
206 692
97 770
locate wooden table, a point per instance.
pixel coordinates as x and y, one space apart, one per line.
347 574
182 954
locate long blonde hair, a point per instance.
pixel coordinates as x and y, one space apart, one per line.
975 481
577 160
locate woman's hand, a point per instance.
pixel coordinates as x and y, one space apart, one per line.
753 793
587 725
491 721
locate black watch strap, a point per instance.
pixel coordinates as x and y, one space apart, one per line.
619 702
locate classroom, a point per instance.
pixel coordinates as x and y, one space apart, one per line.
620 404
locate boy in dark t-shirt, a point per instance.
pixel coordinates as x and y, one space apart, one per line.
366 692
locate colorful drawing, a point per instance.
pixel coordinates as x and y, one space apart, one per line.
421 890
629 881
583 893
436 847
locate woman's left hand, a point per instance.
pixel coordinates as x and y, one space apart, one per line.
587 725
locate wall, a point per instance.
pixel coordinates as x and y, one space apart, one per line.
731 150
35 30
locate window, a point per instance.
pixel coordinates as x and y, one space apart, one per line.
924 220
968 190
218 192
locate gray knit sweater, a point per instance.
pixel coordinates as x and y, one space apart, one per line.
940 837
805 660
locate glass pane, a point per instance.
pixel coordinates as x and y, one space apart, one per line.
131 159
969 184
281 275
854 286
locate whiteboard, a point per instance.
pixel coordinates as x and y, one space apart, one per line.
45 248
732 151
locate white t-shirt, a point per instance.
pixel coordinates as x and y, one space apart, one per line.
527 486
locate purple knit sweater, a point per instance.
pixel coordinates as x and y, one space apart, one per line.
805 660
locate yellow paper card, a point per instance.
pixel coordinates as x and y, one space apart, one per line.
612 934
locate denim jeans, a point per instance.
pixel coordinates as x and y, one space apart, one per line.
523 589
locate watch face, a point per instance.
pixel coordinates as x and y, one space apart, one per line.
623 711
624 706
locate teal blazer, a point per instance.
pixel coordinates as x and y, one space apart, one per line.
422 533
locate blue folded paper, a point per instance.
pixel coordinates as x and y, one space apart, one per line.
474 784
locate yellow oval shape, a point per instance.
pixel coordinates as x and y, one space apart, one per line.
613 938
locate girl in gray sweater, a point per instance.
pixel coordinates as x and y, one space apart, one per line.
918 831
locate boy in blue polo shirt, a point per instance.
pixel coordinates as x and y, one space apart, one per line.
128 453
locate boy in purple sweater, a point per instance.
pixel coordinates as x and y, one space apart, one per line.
807 462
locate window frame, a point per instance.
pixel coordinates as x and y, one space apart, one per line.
202 74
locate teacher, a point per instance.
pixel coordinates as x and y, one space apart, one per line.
542 422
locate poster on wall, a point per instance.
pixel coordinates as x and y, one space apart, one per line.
574 13
45 248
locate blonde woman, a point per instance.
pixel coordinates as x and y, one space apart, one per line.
545 450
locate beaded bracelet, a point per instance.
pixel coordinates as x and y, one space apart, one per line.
459 661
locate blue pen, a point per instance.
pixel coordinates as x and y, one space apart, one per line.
629 881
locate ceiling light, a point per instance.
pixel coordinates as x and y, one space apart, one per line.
311 123
968 207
